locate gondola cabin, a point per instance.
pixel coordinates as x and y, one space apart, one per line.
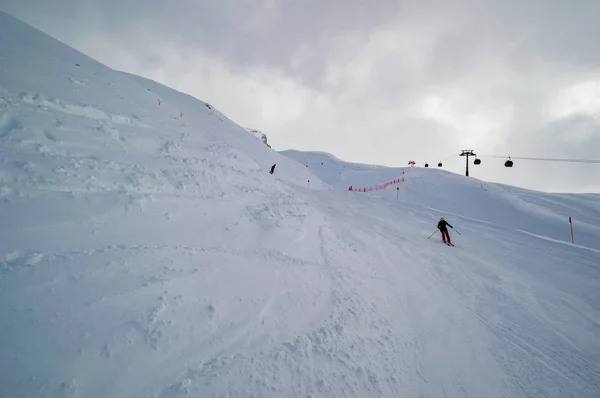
508 163
477 161
440 164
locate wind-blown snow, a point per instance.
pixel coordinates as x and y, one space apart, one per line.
259 135
147 252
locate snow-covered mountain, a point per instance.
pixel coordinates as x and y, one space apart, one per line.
145 251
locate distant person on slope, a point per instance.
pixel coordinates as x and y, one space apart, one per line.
272 169
442 227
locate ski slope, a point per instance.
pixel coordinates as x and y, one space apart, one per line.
546 214
145 251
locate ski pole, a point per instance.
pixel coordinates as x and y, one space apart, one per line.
456 231
432 234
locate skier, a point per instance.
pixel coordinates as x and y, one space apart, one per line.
442 227
272 169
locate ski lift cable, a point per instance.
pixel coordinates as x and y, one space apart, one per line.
450 157
544 159
434 159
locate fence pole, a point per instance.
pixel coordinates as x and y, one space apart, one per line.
571 224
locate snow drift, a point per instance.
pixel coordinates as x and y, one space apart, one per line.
147 252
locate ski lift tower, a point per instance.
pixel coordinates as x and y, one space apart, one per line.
467 153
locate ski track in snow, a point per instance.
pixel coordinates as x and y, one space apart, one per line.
44 105
148 254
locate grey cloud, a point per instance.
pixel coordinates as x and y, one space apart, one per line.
576 136
243 33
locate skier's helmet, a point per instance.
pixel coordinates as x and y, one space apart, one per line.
442 219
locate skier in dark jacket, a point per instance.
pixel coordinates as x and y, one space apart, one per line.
442 227
272 169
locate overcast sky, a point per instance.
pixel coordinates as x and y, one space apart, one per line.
374 82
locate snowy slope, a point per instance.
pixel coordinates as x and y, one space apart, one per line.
145 253
545 214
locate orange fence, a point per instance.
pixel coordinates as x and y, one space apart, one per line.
377 187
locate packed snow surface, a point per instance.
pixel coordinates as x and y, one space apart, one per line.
147 252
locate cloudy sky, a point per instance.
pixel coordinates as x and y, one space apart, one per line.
380 83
